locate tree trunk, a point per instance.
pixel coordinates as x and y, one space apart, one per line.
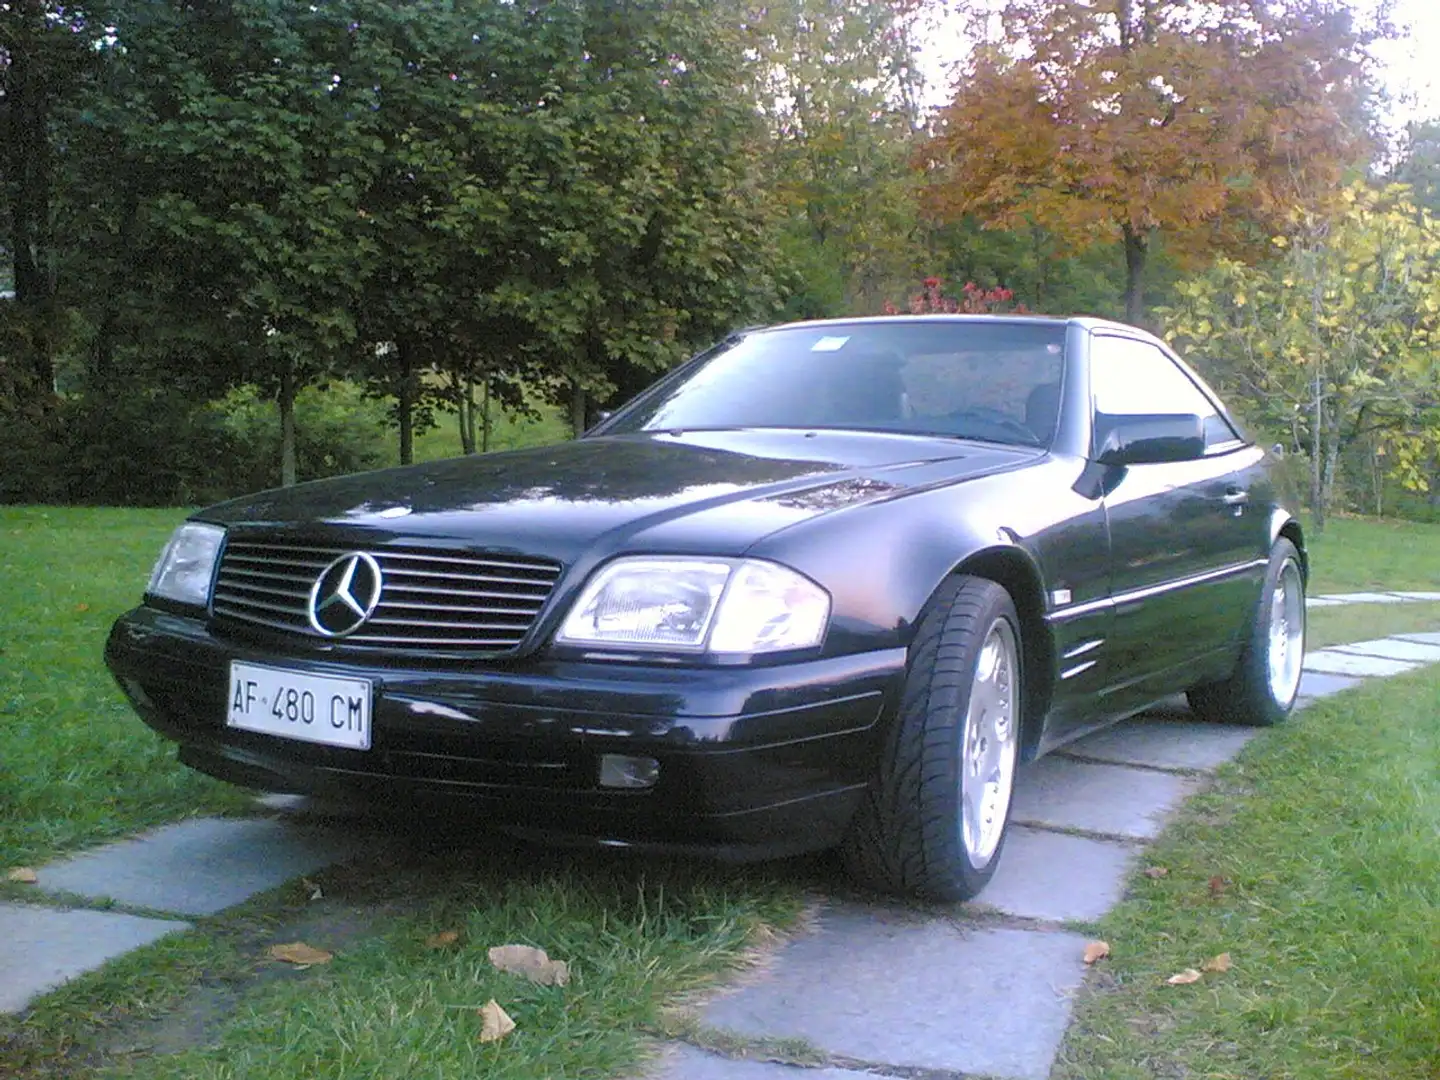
26 139
1317 490
485 415
577 409
405 405
287 426
1136 248
466 414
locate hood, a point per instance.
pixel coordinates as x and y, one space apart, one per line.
714 491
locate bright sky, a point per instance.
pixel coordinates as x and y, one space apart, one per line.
1412 64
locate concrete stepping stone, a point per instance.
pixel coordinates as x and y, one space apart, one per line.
201 866
45 947
1335 662
1366 598
1323 602
1393 649
1424 637
1055 876
687 1063
1115 800
884 986
1164 743
1430 596
1315 684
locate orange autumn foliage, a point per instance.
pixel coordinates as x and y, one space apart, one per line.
1106 120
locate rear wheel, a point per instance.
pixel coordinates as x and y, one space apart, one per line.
934 820
1263 687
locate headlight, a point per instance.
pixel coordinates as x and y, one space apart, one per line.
187 564
734 606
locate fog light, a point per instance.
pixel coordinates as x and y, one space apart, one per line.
619 771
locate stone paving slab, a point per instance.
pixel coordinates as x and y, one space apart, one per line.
1165 743
1423 637
1333 662
201 866
1323 602
1365 598
1114 799
1419 595
1391 649
687 1063
1049 875
1316 684
45 947
880 985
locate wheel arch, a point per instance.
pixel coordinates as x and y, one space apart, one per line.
1015 571
1283 525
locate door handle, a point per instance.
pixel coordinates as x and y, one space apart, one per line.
1235 497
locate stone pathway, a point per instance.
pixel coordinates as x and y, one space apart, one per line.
982 989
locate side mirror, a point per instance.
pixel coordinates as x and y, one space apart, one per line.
1149 439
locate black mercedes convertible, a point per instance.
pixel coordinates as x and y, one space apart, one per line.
826 584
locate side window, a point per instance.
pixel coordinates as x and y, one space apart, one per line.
1133 378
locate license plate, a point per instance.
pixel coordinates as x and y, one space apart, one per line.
313 708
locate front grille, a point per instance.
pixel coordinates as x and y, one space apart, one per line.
430 600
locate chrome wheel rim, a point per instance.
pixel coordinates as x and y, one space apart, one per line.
989 750
1286 649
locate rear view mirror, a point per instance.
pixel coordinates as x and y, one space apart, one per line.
1149 439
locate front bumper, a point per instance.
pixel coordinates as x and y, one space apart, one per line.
755 762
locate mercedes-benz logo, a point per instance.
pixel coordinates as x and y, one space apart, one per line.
345 594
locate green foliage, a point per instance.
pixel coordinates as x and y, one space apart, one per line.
339 430
837 83
1334 340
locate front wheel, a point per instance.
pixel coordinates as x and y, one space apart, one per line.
934 820
1262 689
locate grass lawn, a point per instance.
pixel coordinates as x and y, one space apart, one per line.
1323 846
1357 554
76 765
1365 622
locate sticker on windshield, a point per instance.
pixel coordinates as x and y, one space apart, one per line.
829 344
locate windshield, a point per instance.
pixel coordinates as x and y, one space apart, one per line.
995 381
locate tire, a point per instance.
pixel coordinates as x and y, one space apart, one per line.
1262 689
929 826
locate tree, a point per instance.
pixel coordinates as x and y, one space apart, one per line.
1336 340
1128 120
838 85
45 49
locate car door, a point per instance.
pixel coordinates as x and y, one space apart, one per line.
1186 545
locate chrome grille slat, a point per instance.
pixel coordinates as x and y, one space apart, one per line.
466 609
443 576
262 605
450 594
454 600
271 575
263 590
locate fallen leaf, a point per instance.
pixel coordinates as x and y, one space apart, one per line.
533 963
315 891
1217 885
82 607
1184 978
443 938
300 954
24 875
495 1022
1156 871
1217 963
1096 950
